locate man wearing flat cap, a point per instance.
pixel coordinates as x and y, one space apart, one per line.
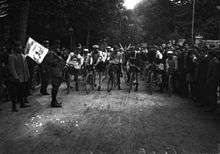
55 63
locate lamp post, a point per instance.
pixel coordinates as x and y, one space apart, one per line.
71 37
218 20
193 21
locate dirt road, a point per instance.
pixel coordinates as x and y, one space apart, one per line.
114 123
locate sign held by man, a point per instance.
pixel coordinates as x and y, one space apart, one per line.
35 51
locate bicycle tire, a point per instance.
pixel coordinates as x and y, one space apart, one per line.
110 82
151 83
131 81
170 86
89 83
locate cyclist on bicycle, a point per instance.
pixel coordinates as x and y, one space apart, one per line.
133 67
73 65
115 64
171 62
99 63
171 66
88 60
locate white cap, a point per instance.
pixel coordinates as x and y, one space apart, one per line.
95 46
170 52
86 50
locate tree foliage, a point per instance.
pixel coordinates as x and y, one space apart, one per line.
87 16
165 18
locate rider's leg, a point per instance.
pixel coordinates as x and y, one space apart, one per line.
137 83
100 81
76 80
119 77
68 76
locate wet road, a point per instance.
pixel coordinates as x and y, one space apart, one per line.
116 122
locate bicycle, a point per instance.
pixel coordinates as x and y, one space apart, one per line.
154 78
112 82
133 77
89 79
170 85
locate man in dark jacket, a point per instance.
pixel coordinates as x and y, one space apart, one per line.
56 64
19 76
44 72
212 81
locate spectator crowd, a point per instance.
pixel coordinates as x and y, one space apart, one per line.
197 70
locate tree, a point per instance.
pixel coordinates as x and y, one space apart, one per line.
162 19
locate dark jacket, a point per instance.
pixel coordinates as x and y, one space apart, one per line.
213 76
55 64
18 68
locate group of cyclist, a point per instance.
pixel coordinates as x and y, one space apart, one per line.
168 67
112 63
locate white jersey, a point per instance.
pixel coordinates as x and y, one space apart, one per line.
75 60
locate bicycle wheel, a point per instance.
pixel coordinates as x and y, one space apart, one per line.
131 82
89 83
110 82
170 88
149 82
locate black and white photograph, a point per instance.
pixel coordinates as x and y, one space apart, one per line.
109 76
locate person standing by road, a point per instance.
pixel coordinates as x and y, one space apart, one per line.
55 63
19 77
213 80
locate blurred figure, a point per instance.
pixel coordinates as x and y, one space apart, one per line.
4 74
44 73
74 63
201 78
99 64
213 79
55 63
19 78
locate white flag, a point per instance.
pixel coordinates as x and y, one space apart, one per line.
35 51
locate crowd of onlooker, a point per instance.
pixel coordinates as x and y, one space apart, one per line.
198 72
197 75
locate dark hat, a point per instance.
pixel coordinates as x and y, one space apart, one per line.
57 42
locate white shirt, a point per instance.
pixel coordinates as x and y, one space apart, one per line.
75 60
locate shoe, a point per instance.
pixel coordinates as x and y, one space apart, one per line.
136 89
99 88
45 93
27 102
24 105
56 104
200 105
14 110
210 109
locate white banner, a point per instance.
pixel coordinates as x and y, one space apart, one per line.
35 51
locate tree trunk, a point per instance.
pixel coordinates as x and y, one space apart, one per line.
24 20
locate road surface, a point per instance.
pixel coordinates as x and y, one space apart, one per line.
109 123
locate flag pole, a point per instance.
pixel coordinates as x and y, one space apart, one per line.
193 21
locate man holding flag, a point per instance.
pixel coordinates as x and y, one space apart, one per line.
53 60
56 64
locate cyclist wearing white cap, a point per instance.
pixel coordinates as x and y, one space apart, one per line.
171 62
99 64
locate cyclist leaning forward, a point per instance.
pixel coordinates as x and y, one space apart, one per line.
73 65
133 66
99 64
115 65
171 65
